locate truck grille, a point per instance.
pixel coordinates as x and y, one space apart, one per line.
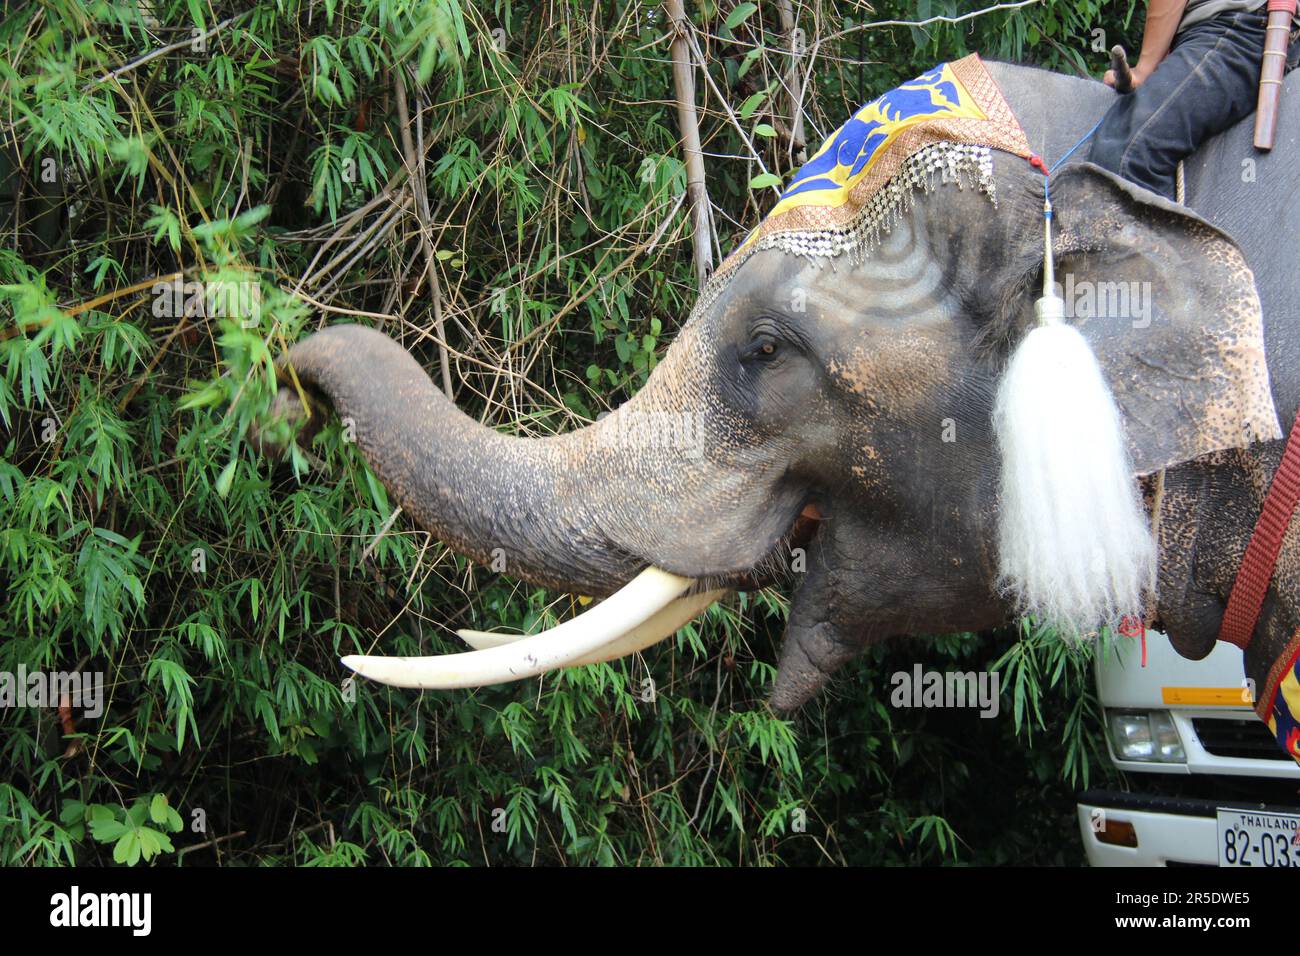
1236 737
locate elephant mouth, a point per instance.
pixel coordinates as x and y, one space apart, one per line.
650 608
777 566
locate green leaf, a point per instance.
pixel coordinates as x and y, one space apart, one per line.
739 15
750 59
135 815
764 179
245 221
128 849
623 347
226 477
751 103
158 808
210 394
106 831
72 811
196 8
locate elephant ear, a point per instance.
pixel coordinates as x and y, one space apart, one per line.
1170 309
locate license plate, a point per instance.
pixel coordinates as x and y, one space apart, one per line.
1258 838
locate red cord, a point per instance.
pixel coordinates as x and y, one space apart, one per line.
1135 627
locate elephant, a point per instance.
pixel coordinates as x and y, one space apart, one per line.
857 429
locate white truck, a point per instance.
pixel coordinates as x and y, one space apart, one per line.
1205 782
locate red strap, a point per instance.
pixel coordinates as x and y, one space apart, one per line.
1256 569
1282 6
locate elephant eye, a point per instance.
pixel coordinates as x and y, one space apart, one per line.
764 348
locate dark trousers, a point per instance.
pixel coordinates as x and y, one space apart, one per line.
1209 81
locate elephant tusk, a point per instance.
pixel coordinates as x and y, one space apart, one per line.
663 624
632 605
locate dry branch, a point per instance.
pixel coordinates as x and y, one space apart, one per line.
415 174
793 88
688 121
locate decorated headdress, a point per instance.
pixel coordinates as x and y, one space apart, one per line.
939 127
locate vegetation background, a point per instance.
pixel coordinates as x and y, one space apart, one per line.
512 173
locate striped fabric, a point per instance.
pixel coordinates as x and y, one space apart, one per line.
1279 705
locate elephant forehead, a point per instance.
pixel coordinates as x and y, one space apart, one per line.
900 281
889 305
885 291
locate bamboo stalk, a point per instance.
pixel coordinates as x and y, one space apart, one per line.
793 88
415 173
696 191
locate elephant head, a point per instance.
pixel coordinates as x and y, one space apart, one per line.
840 404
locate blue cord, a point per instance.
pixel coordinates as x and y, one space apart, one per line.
1047 180
1048 281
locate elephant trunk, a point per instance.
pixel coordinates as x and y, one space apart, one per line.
658 494
526 507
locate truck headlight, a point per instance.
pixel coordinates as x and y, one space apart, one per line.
1147 735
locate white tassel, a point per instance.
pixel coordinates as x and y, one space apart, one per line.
1075 548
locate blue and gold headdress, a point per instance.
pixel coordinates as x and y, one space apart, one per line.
941 125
